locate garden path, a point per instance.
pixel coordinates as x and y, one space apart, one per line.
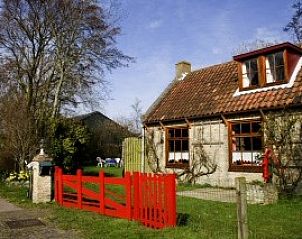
17 223
212 194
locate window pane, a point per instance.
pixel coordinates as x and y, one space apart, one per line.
185 133
171 133
177 146
254 79
280 73
241 144
177 133
236 128
247 144
279 59
247 66
245 128
185 145
257 143
171 146
253 65
236 144
256 126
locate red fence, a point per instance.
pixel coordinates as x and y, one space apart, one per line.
148 198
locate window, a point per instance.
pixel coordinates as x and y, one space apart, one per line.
177 147
246 143
275 69
250 76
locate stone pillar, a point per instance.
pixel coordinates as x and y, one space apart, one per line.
41 181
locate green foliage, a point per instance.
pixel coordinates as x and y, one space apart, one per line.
68 141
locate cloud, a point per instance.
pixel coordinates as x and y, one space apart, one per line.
154 24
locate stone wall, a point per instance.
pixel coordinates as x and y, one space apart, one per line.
213 136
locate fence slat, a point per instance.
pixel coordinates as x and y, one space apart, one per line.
149 198
128 194
136 202
102 191
79 187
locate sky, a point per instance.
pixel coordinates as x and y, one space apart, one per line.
160 33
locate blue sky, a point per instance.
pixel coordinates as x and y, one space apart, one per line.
160 33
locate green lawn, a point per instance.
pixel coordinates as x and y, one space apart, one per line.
109 172
199 219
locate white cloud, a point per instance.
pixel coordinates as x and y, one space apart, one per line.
154 24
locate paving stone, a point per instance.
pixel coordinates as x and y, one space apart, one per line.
11 212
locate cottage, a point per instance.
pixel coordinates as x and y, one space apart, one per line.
208 124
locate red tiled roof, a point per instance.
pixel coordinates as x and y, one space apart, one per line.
210 91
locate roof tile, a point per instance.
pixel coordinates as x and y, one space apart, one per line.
210 91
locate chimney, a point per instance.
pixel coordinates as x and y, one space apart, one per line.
182 69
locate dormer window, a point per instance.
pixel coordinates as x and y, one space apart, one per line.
275 68
250 73
268 66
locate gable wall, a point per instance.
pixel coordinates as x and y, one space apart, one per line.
213 135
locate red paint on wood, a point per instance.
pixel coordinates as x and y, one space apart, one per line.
102 191
149 198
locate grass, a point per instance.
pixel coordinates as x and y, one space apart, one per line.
199 219
109 172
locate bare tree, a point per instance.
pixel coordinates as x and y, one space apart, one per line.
137 114
253 45
133 122
294 26
18 140
54 55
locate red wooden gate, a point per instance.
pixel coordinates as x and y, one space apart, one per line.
148 198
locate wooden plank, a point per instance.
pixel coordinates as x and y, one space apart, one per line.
102 192
114 181
112 204
72 178
70 184
114 194
136 202
128 194
90 193
90 179
79 188
241 207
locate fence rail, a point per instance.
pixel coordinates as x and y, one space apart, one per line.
148 198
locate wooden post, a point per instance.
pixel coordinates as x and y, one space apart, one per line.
60 185
171 197
102 192
136 191
241 207
79 188
128 195
56 184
